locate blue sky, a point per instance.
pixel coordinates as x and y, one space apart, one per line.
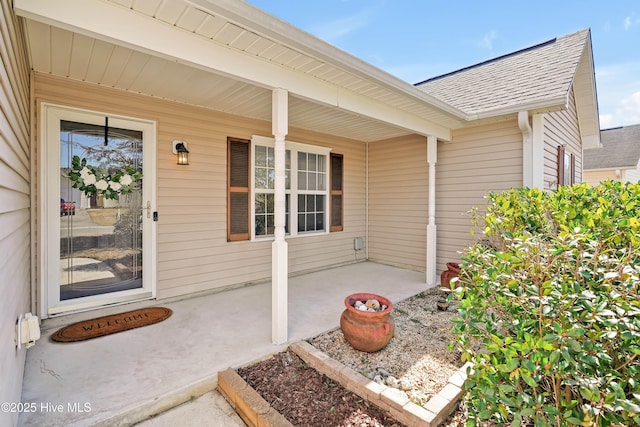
418 39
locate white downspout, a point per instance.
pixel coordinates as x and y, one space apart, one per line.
366 202
537 148
527 148
431 263
279 250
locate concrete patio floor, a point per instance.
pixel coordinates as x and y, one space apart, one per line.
123 378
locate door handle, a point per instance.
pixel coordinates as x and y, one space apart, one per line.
148 209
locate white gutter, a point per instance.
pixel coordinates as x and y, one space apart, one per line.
366 201
545 106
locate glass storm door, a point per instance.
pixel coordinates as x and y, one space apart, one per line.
102 210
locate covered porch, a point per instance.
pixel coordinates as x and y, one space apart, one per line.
128 376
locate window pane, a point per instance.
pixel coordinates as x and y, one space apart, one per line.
261 180
261 229
302 161
311 164
287 169
261 205
302 206
311 221
567 169
319 222
261 156
271 178
286 219
311 204
270 198
301 223
322 181
312 181
302 180
264 214
270 224
270 157
322 163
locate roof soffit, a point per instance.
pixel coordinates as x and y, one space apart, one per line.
157 38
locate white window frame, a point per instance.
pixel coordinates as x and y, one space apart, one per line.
294 148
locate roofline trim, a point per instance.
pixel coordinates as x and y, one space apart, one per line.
541 106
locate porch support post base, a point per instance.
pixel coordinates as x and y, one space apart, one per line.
432 276
279 291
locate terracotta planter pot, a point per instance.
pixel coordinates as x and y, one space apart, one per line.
367 331
453 270
453 267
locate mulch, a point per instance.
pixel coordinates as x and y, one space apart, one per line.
306 397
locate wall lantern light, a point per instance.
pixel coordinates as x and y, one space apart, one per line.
180 148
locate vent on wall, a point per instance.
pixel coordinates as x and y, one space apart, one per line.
358 243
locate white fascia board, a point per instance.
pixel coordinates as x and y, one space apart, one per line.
95 18
591 141
543 106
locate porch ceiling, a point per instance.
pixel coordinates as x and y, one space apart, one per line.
226 56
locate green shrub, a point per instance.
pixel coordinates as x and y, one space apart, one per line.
552 297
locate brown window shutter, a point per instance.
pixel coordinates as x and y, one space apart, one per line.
573 169
560 165
336 202
238 158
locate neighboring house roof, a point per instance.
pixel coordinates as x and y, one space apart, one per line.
620 149
536 79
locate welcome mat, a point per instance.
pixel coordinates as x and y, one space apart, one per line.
112 324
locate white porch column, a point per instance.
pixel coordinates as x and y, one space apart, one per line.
432 158
279 251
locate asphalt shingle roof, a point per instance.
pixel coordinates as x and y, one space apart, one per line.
538 73
620 149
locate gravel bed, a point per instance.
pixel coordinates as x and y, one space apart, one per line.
417 356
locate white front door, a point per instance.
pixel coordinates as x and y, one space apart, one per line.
97 228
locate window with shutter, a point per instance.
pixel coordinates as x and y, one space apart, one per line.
336 192
313 189
566 167
238 160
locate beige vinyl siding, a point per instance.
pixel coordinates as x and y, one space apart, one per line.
593 178
561 128
631 175
193 252
398 186
15 218
479 160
